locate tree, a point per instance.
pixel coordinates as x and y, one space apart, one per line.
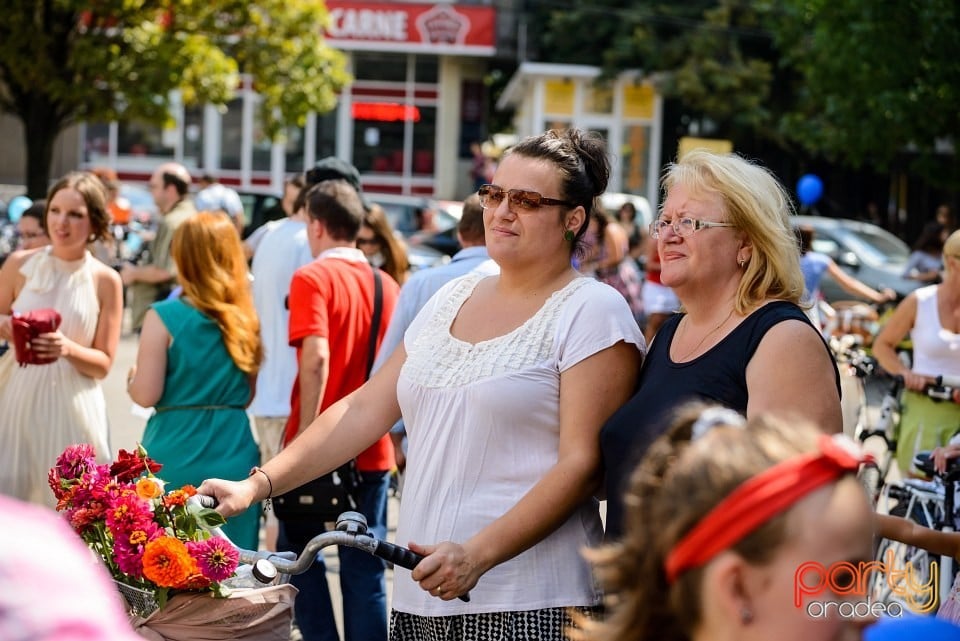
878 80
66 61
856 82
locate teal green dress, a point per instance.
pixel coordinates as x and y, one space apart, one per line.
201 429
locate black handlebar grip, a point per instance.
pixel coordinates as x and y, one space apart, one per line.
398 555
405 558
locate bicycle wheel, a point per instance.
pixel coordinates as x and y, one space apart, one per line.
908 577
909 580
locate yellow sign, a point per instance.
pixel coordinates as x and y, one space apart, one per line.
558 97
716 145
638 101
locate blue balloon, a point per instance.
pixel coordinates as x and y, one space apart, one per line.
809 189
18 205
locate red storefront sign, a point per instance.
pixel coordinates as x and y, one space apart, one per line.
412 28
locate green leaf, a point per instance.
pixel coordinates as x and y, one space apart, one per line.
210 518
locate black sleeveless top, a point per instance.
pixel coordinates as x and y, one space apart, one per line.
718 376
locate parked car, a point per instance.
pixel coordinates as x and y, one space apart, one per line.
259 207
402 212
865 251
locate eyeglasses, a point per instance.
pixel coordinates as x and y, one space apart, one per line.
31 235
682 226
367 241
520 199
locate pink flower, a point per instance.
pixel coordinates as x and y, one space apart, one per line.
216 558
71 466
82 518
126 511
75 460
128 550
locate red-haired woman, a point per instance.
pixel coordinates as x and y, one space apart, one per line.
197 363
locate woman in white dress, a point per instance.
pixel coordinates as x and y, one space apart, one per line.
45 408
503 382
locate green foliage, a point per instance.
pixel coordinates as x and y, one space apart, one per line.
878 78
65 61
859 82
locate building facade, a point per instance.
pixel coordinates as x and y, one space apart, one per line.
417 102
626 111
407 122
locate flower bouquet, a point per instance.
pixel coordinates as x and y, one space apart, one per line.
151 541
167 565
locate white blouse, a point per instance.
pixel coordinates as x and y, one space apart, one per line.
936 351
483 426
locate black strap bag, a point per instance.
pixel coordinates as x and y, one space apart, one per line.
323 499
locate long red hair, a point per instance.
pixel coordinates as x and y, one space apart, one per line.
212 269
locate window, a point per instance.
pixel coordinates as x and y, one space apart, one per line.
142 139
96 146
193 136
381 67
326 140
231 135
634 159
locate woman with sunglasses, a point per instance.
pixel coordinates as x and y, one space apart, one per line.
503 383
728 250
381 246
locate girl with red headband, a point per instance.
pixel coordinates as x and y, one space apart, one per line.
721 515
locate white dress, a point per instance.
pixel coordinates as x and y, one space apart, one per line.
44 408
483 425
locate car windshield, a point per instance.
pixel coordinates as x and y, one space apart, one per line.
401 217
875 246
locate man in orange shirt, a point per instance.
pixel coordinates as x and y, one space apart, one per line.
331 310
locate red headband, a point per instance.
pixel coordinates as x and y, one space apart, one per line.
758 499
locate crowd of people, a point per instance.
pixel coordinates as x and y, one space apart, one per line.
514 386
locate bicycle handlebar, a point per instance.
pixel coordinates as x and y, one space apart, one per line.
351 531
942 388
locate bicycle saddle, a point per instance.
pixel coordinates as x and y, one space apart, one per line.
923 461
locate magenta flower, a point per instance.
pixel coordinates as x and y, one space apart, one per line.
126 512
72 465
216 558
75 460
128 549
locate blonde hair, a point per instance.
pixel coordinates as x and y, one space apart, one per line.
212 269
758 205
951 247
677 483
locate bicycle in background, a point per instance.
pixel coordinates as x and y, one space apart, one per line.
921 542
